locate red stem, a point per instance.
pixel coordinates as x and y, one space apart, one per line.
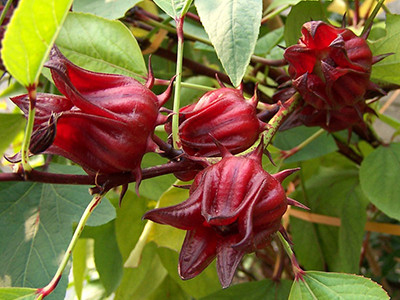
103 182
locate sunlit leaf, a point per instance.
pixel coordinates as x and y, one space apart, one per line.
140 282
30 35
11 125
101 45
232 26
174 8
107 257
17 294
79 265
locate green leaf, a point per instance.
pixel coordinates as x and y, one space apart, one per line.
266 43
288 139
332 192
189 95
107 9
139 283
11 125
232 26
17 294
168 290
322 285
301 13
379 174
30 35
153 188
79 265
386 69
36 227
129 224
277 3
101 45
205 283
107 257
174 8
254 291
164 235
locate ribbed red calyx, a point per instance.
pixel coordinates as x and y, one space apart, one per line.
234 207
104 122
330 66
222 114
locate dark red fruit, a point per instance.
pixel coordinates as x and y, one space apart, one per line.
234 207
330 66
104 122
224 115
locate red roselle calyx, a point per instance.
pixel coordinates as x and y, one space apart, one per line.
104 122
222 114
330 66
234 207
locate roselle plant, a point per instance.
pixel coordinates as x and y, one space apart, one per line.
244 162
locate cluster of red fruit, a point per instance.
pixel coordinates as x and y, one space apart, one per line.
106 122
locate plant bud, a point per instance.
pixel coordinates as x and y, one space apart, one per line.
104 123
234 207
222 114
330 66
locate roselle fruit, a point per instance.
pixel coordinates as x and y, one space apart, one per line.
330 66
234 207
222 114
104 122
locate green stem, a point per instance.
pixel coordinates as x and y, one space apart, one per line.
175 31
178 80
5 10
298 272
188 85
198 87
274 13
28 129
285 245
286 154
43 292
287 108
368 23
